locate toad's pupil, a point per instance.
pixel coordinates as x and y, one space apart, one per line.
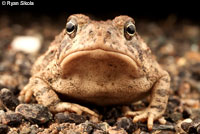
70 27
130 29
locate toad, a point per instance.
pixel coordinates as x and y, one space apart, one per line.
99 62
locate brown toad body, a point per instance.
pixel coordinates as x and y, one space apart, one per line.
101 62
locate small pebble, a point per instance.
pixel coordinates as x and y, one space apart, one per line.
185 124
188 126
69 117
25 130
103 126
89 126
3 129
35 129
8 99
175 116
179 128
166 127
11 118
111 115
126 124
64 128
34 113
28 44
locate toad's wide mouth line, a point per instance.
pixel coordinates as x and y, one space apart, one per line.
98 54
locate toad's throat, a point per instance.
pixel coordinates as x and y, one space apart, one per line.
94 64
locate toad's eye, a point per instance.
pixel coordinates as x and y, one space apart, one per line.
129 30
71 27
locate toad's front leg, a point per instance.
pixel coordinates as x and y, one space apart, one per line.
158 104
47 97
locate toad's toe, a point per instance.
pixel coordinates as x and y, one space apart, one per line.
71 107
148 115
26 94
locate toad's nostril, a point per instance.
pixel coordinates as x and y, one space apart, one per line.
107 36
91 33
108 33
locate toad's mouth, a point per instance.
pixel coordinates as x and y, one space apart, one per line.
98 63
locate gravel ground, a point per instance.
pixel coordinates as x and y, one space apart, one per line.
175 43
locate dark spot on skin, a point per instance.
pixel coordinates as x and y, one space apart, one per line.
41 92
130 49
162 92
155 70
160 108
148 51
158 100
50 55
110 65
144 69
108 33
52 52
118 35
36 81
50 80
165 79
107 36
68 46
140 52
140 55
91 33
74 41
151 113
63 44
98 27
37 94
148 77
130 87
